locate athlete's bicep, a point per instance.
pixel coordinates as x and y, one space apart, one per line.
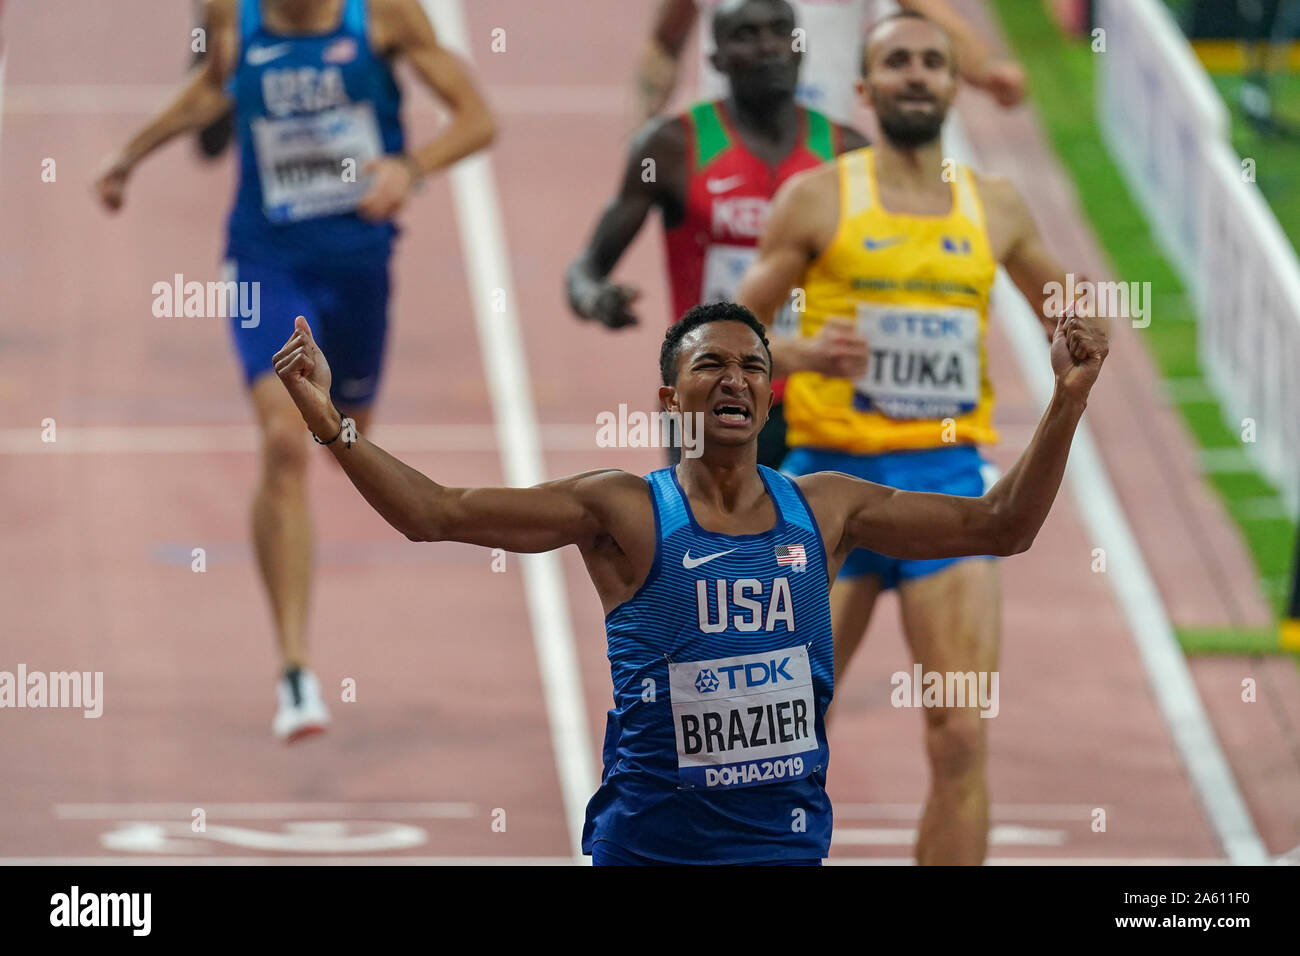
783 256
525 520
915 525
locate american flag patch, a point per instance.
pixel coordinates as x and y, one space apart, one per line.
790 554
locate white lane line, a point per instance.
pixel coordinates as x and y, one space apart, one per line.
191 439
501 344
1139 600
1000 811
906 836
262 811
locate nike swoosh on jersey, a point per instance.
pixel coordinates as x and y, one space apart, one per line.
257 55
688 562
874 244
716 186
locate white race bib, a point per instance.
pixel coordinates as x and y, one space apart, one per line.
924 361
724 267
744 721
301 160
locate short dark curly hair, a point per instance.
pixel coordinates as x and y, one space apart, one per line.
670 351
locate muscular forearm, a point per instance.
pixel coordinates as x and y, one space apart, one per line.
198 104
1024 495
404 497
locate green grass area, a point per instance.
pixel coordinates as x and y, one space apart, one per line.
1216 641
1061 84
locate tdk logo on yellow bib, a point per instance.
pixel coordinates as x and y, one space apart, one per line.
744 721
924 364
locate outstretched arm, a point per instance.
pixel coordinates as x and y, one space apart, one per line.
540 518
655 153
1006 519
200 101
657 67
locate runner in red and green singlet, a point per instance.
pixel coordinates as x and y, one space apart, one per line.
712 172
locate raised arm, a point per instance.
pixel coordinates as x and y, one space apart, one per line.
1004 80
659 63
801 220
200 101
654 161
919 526
540 518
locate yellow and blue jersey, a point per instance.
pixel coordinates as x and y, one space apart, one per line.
917 288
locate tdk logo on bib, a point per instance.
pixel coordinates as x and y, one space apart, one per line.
706 682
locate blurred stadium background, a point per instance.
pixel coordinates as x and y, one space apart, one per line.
1162 149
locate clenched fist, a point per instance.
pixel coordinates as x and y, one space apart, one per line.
1079 346
302 368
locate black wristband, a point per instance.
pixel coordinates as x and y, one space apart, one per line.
344 423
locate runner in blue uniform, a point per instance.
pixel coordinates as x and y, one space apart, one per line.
714 578
323 170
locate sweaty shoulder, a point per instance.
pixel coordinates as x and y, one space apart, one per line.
825 493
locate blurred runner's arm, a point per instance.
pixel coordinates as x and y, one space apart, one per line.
659 64
401 29
200 101
920 526
790 241
1022 251
653 156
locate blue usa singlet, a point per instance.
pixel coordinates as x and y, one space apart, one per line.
715 749
311 110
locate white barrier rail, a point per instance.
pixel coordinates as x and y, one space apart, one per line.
1167 129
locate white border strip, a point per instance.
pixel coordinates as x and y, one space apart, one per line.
1139 600
501 344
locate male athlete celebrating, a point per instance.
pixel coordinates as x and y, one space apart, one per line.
322 173
905 244
715 749
715 170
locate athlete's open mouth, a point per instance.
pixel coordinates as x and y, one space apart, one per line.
731 413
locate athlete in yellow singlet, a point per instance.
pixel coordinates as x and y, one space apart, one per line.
897 246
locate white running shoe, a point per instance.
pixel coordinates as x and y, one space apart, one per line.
302 709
